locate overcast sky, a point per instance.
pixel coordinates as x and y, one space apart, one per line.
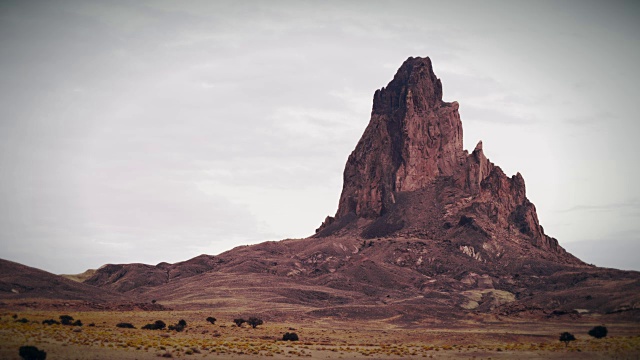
149 131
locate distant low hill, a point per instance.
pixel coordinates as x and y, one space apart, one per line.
23 282
80 277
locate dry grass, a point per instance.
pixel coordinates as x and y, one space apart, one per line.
322 338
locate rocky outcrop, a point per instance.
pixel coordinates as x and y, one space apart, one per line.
412 149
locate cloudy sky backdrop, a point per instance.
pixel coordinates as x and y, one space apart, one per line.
148 131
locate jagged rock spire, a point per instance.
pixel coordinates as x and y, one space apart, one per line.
412 149
413 136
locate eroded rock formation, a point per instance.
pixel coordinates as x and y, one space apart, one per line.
413 144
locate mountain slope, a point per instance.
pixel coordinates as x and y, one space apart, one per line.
125 277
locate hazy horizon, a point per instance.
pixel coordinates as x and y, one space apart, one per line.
155 131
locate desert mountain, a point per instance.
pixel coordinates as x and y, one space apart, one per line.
424 229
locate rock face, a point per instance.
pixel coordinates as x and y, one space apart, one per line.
412 149
412 138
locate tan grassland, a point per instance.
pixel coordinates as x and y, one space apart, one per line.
319 338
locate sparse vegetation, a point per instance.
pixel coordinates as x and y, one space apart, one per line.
598 332
239 322
179 326
212 320
50 322
254 322
66 320
337 340
32 353
290 337
566 338
158 325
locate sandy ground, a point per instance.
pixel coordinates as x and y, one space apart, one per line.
319 338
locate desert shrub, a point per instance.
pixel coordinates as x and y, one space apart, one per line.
239 322
290 337
32 353
254 322
125 325
50 322
179 326
211 320
598 332
66 320
153 301
566 337
158 325
23 320
92 325
77 323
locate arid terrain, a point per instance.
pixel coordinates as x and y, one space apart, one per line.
433 252
321 338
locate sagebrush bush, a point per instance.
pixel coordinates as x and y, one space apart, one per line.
254 322
598 332
290 337
66 320
32 353
158 325
566 337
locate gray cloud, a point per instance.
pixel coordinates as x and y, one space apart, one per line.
632 206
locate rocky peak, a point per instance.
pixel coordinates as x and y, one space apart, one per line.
413 136
409 174
414 87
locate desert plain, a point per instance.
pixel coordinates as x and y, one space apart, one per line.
482 337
